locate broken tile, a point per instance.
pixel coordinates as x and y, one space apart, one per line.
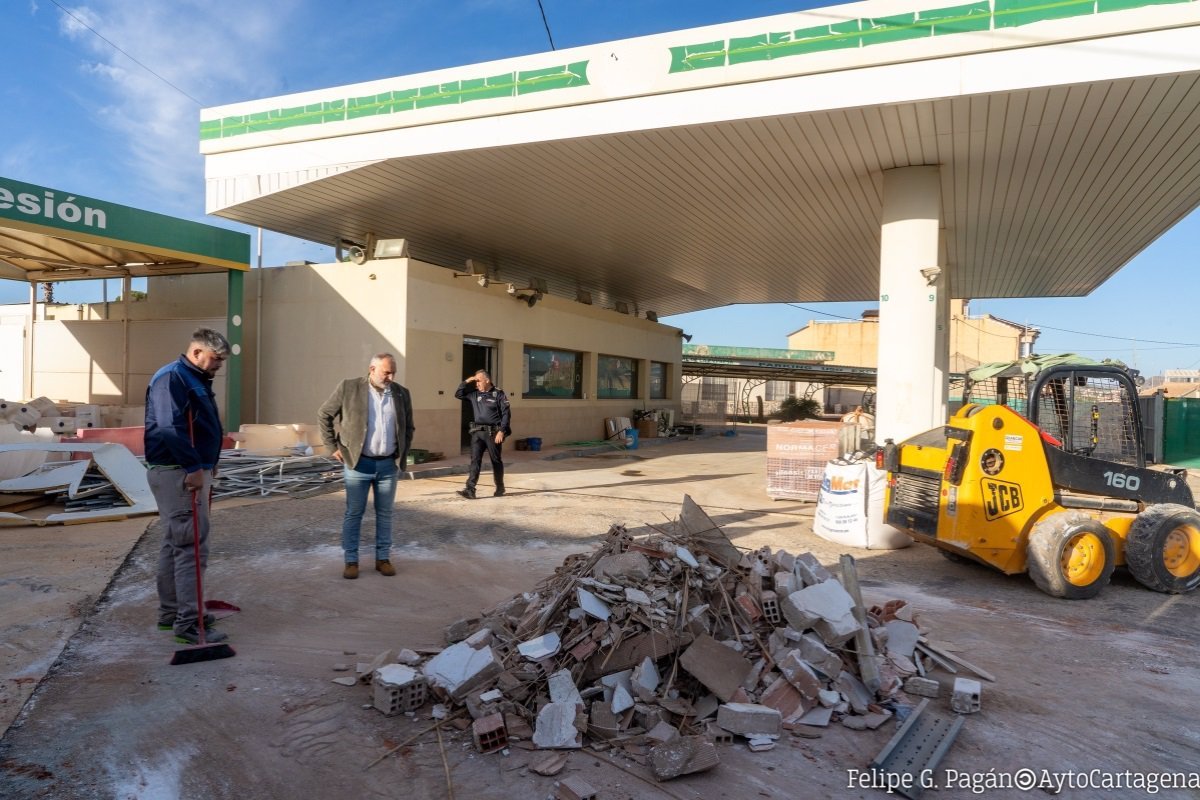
760 744
818 717
716 666
460 668
555 728
562 688
901 638
662 732
551 764
784 698
592 605
541 647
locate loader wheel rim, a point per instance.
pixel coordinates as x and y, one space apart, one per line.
1181 551
1083 559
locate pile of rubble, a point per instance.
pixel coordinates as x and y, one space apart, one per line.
665 646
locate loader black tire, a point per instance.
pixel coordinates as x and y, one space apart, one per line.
955 558
1070 555
1162 550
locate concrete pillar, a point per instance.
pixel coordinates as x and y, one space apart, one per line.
910 280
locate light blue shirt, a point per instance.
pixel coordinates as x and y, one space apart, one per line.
381 423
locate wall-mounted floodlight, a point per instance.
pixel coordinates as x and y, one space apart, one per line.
483 281
583 297
652 316
622 307
480 276
391 248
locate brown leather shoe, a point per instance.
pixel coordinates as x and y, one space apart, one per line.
385 568
350 572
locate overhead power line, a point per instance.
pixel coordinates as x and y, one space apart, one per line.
546 23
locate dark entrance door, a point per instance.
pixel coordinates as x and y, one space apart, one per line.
477 354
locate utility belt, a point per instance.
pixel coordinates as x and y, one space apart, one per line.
476 427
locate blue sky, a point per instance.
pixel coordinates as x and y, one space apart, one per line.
113 112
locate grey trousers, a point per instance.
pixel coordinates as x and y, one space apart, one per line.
177 553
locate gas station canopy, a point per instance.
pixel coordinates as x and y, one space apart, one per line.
48 235
744 162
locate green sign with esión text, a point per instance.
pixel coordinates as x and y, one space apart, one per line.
54 212
771 353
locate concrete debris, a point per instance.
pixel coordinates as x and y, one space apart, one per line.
923 687
555 728
750 719
574 787
552 764
682 756
965 699
635 647
345 681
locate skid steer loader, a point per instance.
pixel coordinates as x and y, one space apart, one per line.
1043 470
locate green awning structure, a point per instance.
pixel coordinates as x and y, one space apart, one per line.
48 235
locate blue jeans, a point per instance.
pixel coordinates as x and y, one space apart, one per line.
368 473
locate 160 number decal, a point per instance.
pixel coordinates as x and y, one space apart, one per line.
1119 480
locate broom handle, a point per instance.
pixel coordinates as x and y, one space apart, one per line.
196 545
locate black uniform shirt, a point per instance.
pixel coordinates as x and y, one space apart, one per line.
489 408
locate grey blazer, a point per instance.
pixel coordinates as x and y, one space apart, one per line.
343 420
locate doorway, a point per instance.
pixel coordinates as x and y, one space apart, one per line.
477 354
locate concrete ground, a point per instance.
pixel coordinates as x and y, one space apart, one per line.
1108 684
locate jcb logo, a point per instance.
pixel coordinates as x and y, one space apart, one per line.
1000 498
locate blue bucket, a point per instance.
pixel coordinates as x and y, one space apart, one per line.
534 442
631 438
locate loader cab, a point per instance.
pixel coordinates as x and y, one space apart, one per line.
1087 410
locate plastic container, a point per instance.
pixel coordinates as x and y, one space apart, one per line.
534 442
631 439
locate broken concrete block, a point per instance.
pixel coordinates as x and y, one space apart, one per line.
397 689
801 675
786 583
346 681
810 571
855 723
705 707
716 666
924 687
662 732
875 719
562 688
555 728
541 647
784 560
770 607
760 744
829 698
837 632
820 657
368 671
901 638
490 734
746 719
718 735
827 603
682 756
855 692
408 657
634 566
574 787
460 668
748 608
602 721
786 699
517 727
966 696
455 632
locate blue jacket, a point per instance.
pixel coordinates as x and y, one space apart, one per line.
176 392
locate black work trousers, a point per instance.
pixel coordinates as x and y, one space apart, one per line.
485 440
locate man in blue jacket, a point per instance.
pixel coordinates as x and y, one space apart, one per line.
183 445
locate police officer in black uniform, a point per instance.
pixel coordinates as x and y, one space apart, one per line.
490 407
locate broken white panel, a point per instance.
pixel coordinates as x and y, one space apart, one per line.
621 700
555 727
901 637
14 464
636 596
685 555
563 689
460 667
645 678
593 605
126 473
49 477
395 674
541 647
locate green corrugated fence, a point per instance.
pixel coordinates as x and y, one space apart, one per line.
1181 432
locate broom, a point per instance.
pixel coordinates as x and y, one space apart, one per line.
201 651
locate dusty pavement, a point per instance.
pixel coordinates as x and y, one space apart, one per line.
1109 685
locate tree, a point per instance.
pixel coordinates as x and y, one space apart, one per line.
795 408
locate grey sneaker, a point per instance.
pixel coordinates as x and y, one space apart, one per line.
467 493
168 623
192 636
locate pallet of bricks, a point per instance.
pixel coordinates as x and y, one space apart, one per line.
797 453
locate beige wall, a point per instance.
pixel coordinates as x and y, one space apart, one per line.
973 340
321 323
451 309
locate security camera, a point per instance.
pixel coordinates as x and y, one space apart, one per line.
512 289
483 281
532 299
931 274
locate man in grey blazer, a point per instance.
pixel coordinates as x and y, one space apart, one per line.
367 424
